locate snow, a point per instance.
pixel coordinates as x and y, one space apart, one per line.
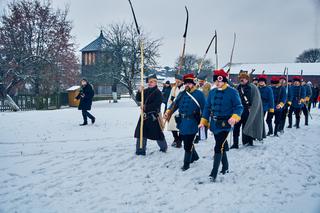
278 68
50 164
73 88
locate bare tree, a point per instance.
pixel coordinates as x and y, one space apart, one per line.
36 48
309 56
123 54
192 62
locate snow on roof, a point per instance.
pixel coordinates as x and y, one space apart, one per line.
278 68
73 88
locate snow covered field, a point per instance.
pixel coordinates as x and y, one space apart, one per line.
50 164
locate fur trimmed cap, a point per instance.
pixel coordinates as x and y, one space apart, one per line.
220 75
152 76
275 80
179 77
262 77
244 74
189 78
296 78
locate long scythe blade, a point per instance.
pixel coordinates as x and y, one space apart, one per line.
204 57
231 56
184 42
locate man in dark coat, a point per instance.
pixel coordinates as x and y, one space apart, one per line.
151 123
305 108
252 120
280 98
296 100
266 94
86 95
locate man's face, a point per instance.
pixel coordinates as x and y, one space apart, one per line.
283 81
243 81
152 83
262 83
189 86
179 82
83 83
219 84
201 83
296 83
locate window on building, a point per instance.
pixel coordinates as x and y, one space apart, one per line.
89 58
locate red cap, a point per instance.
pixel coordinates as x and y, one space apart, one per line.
262 77
189 76
283 77
275 78
296 78
220 72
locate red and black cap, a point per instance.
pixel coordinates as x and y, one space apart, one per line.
296 78
262 77
189 78
275 80
220 75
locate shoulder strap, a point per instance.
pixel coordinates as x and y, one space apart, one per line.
194 99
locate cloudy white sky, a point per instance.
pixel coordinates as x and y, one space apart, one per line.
267 30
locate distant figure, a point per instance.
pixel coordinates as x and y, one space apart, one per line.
86 95
166 93
315 94
114 93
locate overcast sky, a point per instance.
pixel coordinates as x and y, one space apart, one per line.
267 30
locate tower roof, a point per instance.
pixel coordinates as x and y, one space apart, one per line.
97 45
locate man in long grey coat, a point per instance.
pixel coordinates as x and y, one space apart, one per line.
252 119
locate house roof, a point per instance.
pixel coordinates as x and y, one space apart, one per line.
73 88
278 68
97 45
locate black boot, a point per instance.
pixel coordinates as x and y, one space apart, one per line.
186 161
235 144
140 151
216 163
179 144
270 132
174 143
306 120
225 164
276 129
298 123
290 122
194 156
93 120
197 139
84 123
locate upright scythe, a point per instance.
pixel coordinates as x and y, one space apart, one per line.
181 63
205 55
141 75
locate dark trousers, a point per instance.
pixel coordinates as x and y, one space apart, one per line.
297 112
283 117
85 115
269 121
176 135
236 132
305 113
187 142
221 145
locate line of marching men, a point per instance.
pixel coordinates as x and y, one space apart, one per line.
194 107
